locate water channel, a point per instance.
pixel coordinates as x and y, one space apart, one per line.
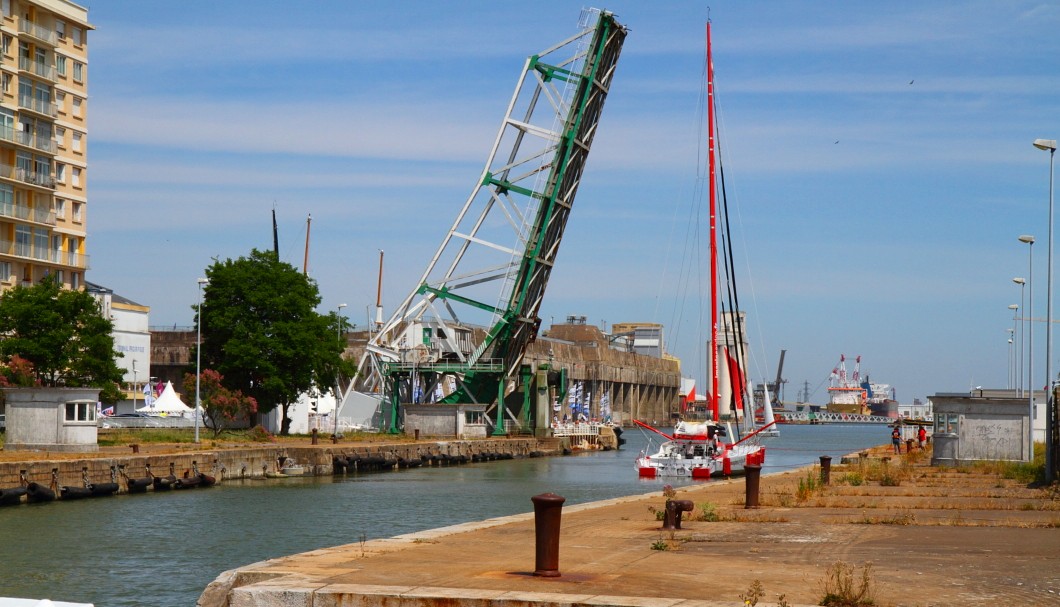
163 549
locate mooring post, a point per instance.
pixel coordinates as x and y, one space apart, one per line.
674 508
826 469
752 473
548 509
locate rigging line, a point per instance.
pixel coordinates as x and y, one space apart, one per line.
759 333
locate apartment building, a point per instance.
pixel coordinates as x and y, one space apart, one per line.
43 141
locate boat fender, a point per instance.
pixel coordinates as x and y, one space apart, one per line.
38 493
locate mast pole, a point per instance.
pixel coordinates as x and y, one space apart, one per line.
305 260
713 236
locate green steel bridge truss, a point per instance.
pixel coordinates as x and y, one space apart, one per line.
491 270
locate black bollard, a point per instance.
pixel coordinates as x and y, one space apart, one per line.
315 432
674 508
826 469
753 473
548 508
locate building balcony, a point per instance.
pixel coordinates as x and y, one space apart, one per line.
44 180
37 32
24 250
37 68
39 106
25 213
29 140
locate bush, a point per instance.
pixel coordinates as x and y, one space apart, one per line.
259 434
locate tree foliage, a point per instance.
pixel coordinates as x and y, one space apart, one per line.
222 407
260 330
63 335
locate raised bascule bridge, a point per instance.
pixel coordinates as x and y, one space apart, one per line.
458 342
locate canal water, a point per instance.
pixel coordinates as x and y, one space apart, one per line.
163 549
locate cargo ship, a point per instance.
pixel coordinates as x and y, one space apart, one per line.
849 394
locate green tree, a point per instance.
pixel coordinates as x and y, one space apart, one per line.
221 406
63 334
260 330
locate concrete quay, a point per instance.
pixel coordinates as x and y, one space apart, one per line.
933 536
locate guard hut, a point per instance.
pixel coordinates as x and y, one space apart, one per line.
461 421
51 419
982 425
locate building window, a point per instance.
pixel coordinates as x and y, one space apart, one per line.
7 40
80 412
60 172
60 101
60 65
5 7
5 82
23 236
79 71
77 177
60 29
77 211
77 106
75 280
5 270
7 202
77 142
40 243
75 32
60 136
60 208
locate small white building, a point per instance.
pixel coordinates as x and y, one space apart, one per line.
51 419
974 427
132 339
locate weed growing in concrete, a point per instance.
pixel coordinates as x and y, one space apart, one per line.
363 539
808 486
854 479
707 513
782 601
842 586
669 493
754 592
660 544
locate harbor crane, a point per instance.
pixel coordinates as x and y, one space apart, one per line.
460 336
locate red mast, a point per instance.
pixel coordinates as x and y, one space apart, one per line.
713 237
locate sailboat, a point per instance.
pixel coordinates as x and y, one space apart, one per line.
700 450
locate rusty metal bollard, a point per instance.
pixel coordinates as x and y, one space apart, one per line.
135 448
908 445
826 469
674 508
334 439
315 438
417 433
548 509
753 473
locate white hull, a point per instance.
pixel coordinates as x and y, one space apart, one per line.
690 459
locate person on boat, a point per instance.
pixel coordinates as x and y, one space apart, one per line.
896 440
921 436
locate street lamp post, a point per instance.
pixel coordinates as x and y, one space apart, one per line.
338 315
1022 340
1029 240
1050 414
198 358
1012 352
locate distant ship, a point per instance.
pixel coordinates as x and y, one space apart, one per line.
849 394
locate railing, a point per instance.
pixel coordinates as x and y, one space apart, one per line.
44 144
833 418
48 108
36 67
43 180
25 213
28 251
40 33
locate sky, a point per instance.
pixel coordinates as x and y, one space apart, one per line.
878 159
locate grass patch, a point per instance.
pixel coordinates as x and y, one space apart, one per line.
808 486
707 512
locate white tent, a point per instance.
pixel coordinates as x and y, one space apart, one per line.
167 403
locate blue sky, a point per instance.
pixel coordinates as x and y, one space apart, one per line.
878 158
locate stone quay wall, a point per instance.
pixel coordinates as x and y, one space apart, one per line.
253 462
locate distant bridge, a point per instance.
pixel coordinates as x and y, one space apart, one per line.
831 418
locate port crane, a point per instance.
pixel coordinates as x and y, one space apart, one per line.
461 334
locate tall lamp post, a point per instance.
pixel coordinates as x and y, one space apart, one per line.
198 358
1022 341
1012 351
338 315
1029 240
1050 414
